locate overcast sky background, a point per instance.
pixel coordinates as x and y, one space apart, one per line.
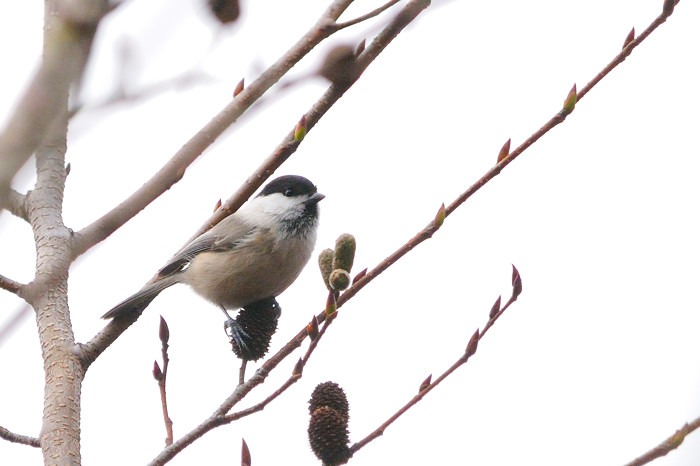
596 363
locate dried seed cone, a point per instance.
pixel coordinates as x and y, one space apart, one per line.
331 395
259 321
328 436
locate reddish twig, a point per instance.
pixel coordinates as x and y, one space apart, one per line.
161 376
629 46
427 386
296 373
668 445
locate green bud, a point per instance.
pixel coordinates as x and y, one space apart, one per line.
325 264
339 279
344 252
570 102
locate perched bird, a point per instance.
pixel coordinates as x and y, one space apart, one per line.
254 254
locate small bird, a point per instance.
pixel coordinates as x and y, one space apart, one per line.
253 254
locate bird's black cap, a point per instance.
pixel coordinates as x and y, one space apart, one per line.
289 185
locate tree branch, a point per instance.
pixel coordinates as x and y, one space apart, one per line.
15 203
10 285
17 438
668 445
629 47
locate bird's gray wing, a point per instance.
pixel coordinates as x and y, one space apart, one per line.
227 235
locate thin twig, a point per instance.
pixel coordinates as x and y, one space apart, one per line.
668 445
161 376
463 359
17 438
626 51
241 371
365 17
296 375
229 418
164 397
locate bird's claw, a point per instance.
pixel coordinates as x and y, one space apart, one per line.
236 334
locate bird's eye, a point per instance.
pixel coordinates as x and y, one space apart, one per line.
288 193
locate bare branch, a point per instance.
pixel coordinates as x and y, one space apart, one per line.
17 438
15 203
175 169
161 377
628 48
10 285
668 445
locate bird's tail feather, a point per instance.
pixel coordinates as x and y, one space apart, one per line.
137 302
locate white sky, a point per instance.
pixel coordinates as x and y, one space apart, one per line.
597 362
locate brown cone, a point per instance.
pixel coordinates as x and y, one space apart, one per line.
259 321
328 436
329 394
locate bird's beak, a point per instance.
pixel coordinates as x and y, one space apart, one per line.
314 199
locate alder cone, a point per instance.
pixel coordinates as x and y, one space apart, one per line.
328 436
259 321
329 394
